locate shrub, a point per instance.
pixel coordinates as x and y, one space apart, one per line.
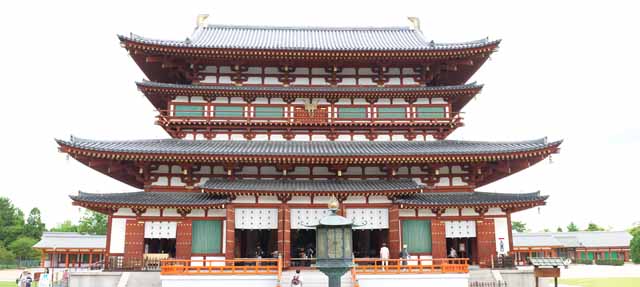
583 261
614 262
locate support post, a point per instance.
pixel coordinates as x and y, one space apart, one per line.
394 231
230 237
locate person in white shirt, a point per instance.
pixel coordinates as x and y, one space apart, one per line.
296 281
384 255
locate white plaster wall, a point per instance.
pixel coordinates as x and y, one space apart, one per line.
379 199
170 212
118 228
196 213
425 212
321 199
218 280
495 211
469 212
356 199
300 199
152 212
268 199
217 213
407 212
457 181
124 212
502 231
450 212
245 199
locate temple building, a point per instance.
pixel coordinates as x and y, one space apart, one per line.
269 124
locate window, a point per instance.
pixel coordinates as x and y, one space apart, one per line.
431 112
352 113
614 255
188 111
228 111
206 237
416 234
269 112
392 113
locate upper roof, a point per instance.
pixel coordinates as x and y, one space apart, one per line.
304 148
150 199
71 240
575 239
471 199
315 186
309 39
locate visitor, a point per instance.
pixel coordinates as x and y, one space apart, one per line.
297 279
404 254
308 254
384 255
25 279
45 279
453 253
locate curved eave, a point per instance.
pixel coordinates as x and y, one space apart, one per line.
112 207
159 93
271 54
309 159
511 206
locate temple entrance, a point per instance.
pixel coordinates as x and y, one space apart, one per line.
256 243
303 247
464 247
367 242
160 245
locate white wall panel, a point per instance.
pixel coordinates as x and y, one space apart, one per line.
118 228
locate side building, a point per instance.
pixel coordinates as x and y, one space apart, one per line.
268 124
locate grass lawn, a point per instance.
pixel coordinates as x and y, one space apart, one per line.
600 282
8 284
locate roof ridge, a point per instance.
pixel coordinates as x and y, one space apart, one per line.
308 27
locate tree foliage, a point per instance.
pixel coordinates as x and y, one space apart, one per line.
93 223
22 248
11 222
518 226
572 227
635 248
594 227
559 229
6 255
34 227
66 226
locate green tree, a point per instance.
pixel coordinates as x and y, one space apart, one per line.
22 248
93 223
6 256
11 222
545 230
518 226
594 227
34 227
559 229
635 248
66 226
572 227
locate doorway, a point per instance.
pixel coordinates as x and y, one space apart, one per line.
465 247
256 243
303 247
160 245
367 242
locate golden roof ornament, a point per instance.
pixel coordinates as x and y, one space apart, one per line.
333 203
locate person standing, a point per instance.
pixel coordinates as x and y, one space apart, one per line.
384 255
453 253
404 254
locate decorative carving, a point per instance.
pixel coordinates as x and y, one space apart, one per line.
332 136
184 211
288 135
371 136
438 211
249 134
139 211
284 197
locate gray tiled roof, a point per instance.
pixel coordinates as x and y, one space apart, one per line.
547 262
316 148
309 39
310 88
468 198
535 240
71 240
150 198
312 185
578 239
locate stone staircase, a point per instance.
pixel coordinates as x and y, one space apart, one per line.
138 279
314 278
481 275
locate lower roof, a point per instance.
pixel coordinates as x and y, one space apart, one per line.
71 240
472 199
311 186
165 199
585 239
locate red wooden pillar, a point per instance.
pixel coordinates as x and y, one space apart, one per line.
108 244
183 239
394 231
438 239
66 260
42 256
284 234
133 240
510 231
486 237
230 233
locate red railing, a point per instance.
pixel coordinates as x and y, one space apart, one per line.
409 266
222 267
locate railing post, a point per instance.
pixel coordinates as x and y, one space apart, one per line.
279 277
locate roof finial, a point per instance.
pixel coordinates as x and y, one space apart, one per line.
415 22
201 20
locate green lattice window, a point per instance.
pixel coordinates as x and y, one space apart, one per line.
228 111
269 112
392 113
188 111
431 112
352 113
206 237
416 234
